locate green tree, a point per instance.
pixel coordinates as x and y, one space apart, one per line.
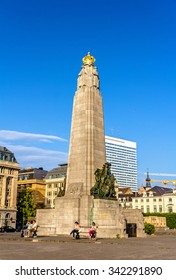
25 206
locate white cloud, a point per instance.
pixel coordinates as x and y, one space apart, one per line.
36 157
10 135
27 154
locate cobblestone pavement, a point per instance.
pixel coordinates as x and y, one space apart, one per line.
64 248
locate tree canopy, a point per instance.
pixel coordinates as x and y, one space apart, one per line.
25 206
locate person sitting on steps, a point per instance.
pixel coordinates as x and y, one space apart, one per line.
33 229
75 231
28 226
92 231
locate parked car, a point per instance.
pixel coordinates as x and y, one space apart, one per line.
7 229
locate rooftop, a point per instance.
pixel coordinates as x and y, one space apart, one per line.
57 172
7 155
159 190
32 173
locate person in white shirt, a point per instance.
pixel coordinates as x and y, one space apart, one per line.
33 228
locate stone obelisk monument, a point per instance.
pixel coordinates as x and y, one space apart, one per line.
87 141
86 154
87 147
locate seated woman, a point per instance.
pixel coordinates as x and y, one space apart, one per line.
33 228
28 226
75 231
92 231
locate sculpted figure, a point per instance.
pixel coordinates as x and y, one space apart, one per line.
104 183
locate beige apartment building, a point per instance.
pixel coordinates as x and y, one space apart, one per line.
33 179
55 183
157 199
8 187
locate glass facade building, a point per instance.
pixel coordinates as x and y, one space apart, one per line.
122 156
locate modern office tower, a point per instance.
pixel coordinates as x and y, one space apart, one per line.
122 156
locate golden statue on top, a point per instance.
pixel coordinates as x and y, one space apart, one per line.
88 59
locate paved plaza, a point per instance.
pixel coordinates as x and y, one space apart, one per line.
64 248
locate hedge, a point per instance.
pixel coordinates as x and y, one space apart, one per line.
170 218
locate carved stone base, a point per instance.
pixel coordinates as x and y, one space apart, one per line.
68 209
109 218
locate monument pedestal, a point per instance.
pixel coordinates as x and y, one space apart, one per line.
111 220
71 209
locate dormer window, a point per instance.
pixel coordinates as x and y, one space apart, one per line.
150 194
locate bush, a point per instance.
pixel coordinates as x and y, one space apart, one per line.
149 228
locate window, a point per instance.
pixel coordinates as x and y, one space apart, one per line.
147 200
136 200
148 209
9 191
9 181
154 200
142 200
170 210
160 199
6 203
154 208
160 208
1 169
142 208
170 199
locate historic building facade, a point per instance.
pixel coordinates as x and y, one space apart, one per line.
55 181
33 179
8 187
157 199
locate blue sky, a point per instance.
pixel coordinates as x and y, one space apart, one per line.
42 43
